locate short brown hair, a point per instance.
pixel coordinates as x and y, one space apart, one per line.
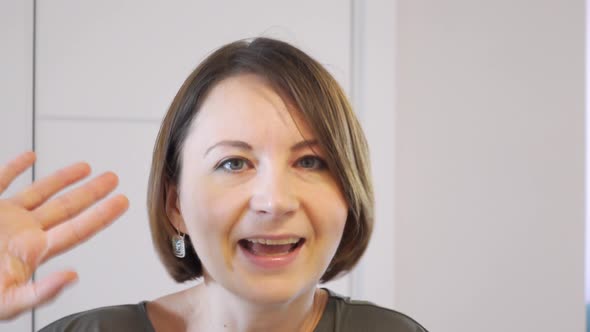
324 107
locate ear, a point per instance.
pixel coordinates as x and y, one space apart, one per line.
173 209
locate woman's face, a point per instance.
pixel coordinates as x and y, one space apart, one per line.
263 212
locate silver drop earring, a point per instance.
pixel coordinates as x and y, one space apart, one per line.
178 246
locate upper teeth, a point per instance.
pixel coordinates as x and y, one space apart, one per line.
291 240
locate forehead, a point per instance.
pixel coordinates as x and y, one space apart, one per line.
247 107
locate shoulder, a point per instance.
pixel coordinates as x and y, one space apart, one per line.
344 314
128 318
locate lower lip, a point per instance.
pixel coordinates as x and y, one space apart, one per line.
271 262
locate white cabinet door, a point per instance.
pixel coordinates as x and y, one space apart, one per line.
16 101
127 59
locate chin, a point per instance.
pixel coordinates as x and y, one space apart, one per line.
273 290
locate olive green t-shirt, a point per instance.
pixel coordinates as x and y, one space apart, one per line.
341 314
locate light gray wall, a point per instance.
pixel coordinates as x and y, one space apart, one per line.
489 221
373 97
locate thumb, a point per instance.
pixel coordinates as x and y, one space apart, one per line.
22 298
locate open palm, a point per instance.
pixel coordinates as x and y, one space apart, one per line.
35 228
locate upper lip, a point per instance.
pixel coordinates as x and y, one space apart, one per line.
273 237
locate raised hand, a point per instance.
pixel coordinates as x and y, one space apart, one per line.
34 228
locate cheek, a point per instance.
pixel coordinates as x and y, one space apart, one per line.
330 210
340 212
209 217
210 212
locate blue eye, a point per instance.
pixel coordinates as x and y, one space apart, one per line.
233 165
311 162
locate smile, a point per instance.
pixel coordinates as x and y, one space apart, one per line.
271 253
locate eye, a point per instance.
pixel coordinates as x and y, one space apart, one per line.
233 165
311 162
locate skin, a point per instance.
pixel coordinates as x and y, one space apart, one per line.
267 184
34 228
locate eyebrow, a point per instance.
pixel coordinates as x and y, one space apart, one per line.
236 144
245 146
305 144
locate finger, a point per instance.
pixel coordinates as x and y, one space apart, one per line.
41 190
23 298
14 168
69 205
67 235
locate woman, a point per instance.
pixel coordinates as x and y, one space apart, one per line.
259 186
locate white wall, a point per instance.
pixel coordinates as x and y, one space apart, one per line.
490 164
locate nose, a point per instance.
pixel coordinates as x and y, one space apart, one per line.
273 195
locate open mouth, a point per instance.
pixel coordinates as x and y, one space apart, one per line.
266 247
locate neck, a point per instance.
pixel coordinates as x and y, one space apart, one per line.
221 310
